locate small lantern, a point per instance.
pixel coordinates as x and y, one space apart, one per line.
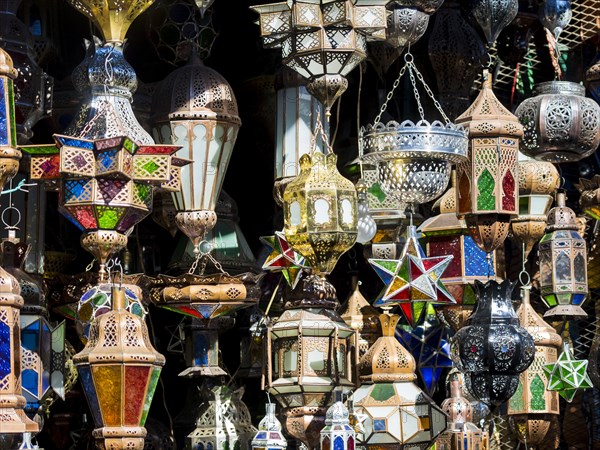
492 349
563 263
555 15
589 200
567 375
119 371
269 435
487 190
319 208
493 16
398 413
533 408
338 434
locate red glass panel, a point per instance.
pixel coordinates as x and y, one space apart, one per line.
464 194
508 191
136 382
157 149
85 217
451 246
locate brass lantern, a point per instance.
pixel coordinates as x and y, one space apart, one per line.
320 212
533 408
487 194
563 263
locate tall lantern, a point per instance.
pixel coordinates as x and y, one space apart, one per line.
563 263
487 194
195 108
533 409
119 371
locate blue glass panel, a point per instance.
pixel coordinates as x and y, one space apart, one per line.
3 122
29 378
73 142
30 337
4 350
201 347
90 393
73 190
578 299
338 443
209 446
200 446
261 435
205 310
379 424
476 264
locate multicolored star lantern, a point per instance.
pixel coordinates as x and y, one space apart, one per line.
567 375
428 343
283 258
413 279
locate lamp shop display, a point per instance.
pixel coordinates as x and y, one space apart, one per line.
332 184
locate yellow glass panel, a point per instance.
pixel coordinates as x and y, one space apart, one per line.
108 381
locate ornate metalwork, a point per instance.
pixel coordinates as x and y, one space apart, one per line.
338 434
589 198
427 6
592 79
493 16
560 123
555 15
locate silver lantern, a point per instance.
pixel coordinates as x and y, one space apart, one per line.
493 15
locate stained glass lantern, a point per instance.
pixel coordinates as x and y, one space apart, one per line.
533 408
319 208
563 263
493 16
560 123
555 15
493 349
590 196
487 189
269 435
195 108
338 434
119 371
538 180
323 40
398 414
9 155
311 352
567 375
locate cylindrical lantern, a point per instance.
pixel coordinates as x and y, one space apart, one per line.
487 194
338 434
119 371
563 263
532 409
269 435
492 349
560 123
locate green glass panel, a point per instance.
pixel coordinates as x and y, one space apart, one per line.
143 190
382 392
550 300
150 167
150 393
48 149
538 402
376 191
108 218
486 200
389 265
516 401
469 296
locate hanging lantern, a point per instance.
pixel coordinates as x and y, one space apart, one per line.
195 109
538 180
590 196
555 15
367 228
567 375
398 413
533 409
310 353
493 16
592 79
283 258
560 123
269 435
492 349
487 194
337 34
319 208
338 434
119 370
563 263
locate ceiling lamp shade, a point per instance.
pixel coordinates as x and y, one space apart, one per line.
487 189
195 109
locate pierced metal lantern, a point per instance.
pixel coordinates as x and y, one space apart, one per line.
560 123
563 263
533 409
398 414
493 349
493 16
589 198
269 435
555 15
487 194
338 434
119 371
319 208
195 109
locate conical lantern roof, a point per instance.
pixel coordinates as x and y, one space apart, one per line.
540 331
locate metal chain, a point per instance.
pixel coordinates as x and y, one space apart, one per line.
204 257
416 93
430 94
391 93
319 131
524 277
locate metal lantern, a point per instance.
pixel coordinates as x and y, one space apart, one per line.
323 40
310 351
563 263
592 79
560 123
538 180
319 208
589 200
195 108
119 371
567 375
533 408
493 349
398 414
555 15
493 16
338 434
9 155
487 183
269 435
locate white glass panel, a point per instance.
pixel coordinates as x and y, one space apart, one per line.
322 212
295 217
316 360
290 361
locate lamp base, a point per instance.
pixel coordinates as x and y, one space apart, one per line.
109 438
566 310
305 424
14 420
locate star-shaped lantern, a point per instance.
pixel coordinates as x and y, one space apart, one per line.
428 343
283 258
567 375
413 279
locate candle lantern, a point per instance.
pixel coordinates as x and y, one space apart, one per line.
269 435
338 434
563 263
487 183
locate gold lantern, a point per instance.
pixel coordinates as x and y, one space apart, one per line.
320 212
533 408
487 194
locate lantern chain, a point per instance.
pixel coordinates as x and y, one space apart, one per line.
391 93
205 257
319 131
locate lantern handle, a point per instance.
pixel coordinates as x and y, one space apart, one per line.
524 276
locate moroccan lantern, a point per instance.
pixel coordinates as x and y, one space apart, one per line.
398 414
310 352
119 371
589 200
487 194
555 15
195 109
563 263
319 208
338 434
493 349
560 124
567 375
269 435
493 16
533 409
592 79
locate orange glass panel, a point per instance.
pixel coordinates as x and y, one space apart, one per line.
108 381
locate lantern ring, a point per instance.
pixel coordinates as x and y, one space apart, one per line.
209 246
6 224
524 278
